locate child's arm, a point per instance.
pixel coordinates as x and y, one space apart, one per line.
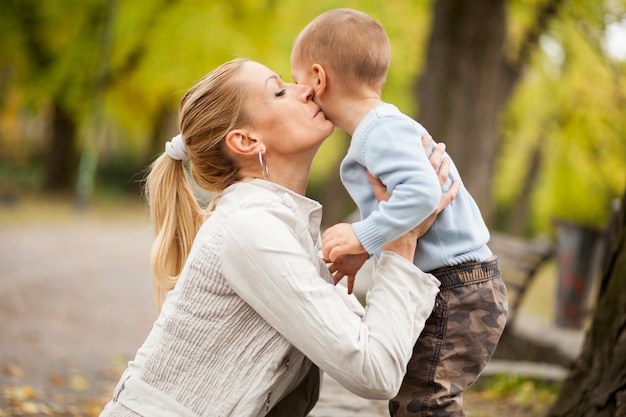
412 183
347 265
342 249
390 153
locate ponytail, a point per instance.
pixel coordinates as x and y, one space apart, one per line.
176 218
209 110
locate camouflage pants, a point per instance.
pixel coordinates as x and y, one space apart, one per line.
458 340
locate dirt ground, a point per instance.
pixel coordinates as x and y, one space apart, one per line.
76 302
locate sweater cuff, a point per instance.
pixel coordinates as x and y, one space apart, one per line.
369 236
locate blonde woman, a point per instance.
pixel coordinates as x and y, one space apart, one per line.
249 313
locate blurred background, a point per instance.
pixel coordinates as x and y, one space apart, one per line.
528 95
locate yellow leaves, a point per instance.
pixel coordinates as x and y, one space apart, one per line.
21 400
68 396
10 369
75 382
18 394
78 383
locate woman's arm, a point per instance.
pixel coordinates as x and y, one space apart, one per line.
367 354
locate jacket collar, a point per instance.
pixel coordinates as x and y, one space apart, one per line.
306 209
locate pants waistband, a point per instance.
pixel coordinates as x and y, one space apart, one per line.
466 273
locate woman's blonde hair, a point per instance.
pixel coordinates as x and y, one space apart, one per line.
209 110
352 43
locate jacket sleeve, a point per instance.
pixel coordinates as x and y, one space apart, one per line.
267 264
392 151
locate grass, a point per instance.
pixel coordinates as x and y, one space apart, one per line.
29 210
510 395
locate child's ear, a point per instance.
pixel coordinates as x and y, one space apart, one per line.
240 142
319 78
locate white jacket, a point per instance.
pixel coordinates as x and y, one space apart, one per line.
255 305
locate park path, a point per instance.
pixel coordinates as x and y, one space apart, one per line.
76 302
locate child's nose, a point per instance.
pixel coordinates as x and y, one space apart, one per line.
307 92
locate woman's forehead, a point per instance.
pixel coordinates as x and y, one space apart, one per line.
260 78
260 70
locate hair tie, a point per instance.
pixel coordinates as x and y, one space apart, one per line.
176 148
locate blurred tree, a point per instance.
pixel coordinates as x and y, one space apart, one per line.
506 84
468 79
33 45
567 120
62 68
596 385
496 74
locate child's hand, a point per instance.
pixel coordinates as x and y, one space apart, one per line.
347 266
338 240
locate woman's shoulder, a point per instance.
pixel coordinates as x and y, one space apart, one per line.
249 206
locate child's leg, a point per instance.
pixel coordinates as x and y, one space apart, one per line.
457 342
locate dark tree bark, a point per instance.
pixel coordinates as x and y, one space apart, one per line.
338 206
467 81
60 159
596 385
164 126
518 215
458 93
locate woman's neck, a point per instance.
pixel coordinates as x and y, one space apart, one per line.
291 173
292 176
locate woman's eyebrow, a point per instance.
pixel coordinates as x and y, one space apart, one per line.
274 77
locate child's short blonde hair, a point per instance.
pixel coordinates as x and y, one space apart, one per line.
351 43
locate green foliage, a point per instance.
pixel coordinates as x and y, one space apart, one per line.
570 105
520 390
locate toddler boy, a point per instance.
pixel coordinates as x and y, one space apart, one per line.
344 55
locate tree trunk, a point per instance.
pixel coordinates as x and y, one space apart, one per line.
459 95
60 160
467 81
338 206
518 214
596 385
164 127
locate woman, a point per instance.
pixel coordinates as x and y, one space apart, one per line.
254 311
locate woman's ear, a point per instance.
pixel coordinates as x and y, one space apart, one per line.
319 79
239 142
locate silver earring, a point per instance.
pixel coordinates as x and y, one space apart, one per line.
264 168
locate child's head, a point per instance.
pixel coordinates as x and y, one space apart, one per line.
349 44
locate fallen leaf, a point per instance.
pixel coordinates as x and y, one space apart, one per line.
11 369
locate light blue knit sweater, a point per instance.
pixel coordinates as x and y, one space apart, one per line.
388 144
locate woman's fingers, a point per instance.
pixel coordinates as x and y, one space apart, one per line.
380 191
443 171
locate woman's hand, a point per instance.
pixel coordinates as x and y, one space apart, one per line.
441 164
347 266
